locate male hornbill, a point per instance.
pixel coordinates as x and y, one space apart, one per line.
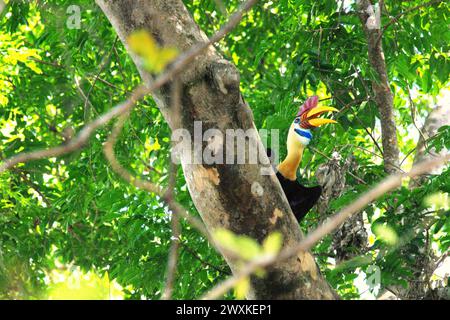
301 198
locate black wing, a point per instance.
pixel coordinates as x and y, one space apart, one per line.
301 198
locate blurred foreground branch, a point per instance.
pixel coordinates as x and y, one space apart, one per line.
140 92
388 184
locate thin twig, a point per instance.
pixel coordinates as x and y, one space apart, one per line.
177 209
315 150
440 260
413 110
397 17
83 95
410 152
108 149
53 64
81 139
109 84
33 185
119 64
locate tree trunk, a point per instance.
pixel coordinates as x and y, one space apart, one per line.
438 117
232 196
383 95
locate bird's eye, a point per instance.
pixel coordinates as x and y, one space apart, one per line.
297 120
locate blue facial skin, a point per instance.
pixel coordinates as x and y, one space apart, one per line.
303 133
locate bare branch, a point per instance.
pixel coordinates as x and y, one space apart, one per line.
34 186
106 61
53 64
173 258
108 149
169 195
83 95
83 137
391 182
177 209
384 97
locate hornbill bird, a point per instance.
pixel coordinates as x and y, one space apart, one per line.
301 198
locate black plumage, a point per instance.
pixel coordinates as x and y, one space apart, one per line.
301 199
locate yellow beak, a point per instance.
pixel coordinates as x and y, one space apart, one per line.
313 116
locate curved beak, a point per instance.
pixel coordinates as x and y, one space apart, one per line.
312 117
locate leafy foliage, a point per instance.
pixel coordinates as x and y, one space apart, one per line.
73 209
155 58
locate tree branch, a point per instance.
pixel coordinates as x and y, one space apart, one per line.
202 261
106 61
401 14
391 182
169 195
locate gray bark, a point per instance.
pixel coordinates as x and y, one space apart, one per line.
438 117
223 194
383 95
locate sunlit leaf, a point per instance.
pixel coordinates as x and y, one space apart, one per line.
155 57
386 233
272 244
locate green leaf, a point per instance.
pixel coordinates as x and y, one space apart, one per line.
242 288
386 234
244 246
272 244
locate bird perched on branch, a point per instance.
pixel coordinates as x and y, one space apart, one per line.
301 198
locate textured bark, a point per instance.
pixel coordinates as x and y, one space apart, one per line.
225 195
425 264
438 117
383 95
